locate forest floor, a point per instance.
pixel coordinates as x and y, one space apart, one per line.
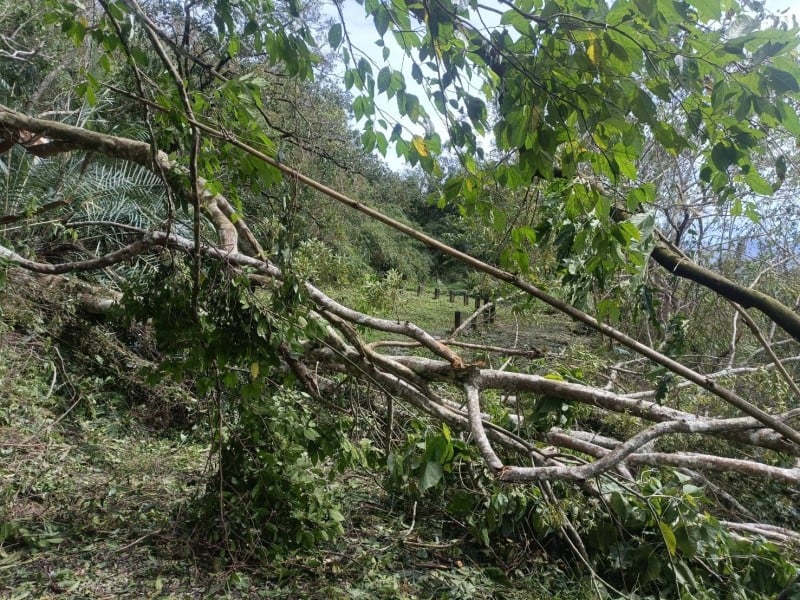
99 471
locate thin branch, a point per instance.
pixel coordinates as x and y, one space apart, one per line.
527 353
764 344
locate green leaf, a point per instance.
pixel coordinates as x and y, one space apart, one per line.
382 20
416 73
768 50
517 21
381 142
743 103
335 35
335 515
723 156
684 541
364 68
643 107
412 107
619 505
758 184
476 109
708 10
384 79
431 475
781 81
609 309
780 168
752 213
358 108
789 118
625 166
669 537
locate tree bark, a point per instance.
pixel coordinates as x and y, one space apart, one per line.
682 266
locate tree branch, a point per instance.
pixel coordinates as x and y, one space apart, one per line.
684 267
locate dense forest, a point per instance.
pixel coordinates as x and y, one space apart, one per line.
553 354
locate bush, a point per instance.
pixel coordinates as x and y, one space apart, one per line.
271 494
382 294
316 261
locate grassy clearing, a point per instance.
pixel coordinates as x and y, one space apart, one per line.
514 325
95 493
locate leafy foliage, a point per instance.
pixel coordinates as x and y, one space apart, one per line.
270 493
576 97
274 494
655 539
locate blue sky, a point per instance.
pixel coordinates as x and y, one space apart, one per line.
780 5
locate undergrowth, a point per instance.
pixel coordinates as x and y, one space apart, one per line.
109 483
97 494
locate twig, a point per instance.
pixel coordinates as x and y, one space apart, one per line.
413 521
134 542
764 344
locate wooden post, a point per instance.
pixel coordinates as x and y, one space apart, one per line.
419 290
466 298
435 293
458 319
477 302
452 295
487 314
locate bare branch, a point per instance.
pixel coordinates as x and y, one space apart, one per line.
476 425
123 254
526 353
679 264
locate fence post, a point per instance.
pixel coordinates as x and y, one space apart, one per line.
452 295
458 319
435 293
466 298
419 290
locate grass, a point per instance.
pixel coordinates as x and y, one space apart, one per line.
96 493
532 326
89 495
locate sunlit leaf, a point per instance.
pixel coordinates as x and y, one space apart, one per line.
419 145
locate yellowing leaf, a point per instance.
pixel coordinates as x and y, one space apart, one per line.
536 115
420 146
593 50
254 370
437 48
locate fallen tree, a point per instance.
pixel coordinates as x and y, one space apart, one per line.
409 377
445 383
